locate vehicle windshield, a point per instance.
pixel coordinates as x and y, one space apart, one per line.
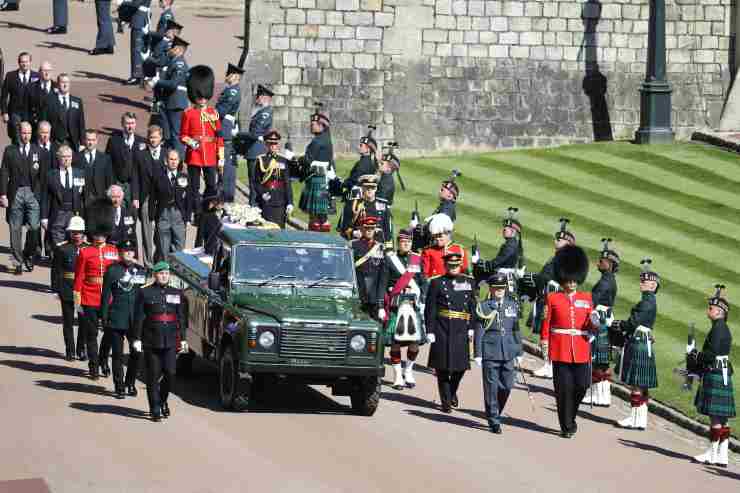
278 264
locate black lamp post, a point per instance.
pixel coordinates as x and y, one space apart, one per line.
655 93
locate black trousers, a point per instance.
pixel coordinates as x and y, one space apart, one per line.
89 325
68 328
116 343
160 374
210 176
105 346
571 382
448 383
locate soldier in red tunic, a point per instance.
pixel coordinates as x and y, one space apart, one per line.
566 332
92 263
432 258
200 131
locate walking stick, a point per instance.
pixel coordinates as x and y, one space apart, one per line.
526 386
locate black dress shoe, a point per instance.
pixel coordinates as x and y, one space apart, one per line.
101 51
28 264
495 428
156 415
166 410
94 374
70 355
119 393
566 434
57 30
18 270
132 391
133 81
82 356
454 402
446 408
105 370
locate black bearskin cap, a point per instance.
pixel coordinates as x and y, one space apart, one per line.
571 264
100 218
200 83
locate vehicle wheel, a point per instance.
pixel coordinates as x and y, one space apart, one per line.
184 364
366 397
235 392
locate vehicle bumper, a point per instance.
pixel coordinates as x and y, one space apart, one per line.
319 371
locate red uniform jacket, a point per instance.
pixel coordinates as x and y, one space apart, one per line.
433 262
204 127
92 262
572 313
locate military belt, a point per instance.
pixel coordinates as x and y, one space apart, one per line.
231 118
142 8
94 280
69 275
454 315
273 184
163 317
570 332
182 88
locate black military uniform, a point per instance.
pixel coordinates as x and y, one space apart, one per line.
65 260
449 309
160 323
371 276
121 285
509 255
209 225
497 342
366 165
274 192
356 210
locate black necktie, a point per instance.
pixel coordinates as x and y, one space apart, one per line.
66 185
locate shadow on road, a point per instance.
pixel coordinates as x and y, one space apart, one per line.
654 448
18 25
448 418
593 417
123 101
407 399
538 389
85 388
45 368
95 75
31 351
26 285
126 412
51 45
513 422
49 319
718 471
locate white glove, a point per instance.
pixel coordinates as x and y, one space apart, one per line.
476 257
330 174
193 144
413 223
478 361
136 345
184 346
288 154
289 209
471 333
690 347
381 313
221 163
78 309
595 318
356 233
266 196
261 138
431 339
45 223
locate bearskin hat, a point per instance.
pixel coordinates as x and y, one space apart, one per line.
200 83
571 264
100 218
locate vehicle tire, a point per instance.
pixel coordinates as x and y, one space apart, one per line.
234 392
366 397
184 364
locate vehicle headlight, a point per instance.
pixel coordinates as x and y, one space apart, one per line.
267 339
358 343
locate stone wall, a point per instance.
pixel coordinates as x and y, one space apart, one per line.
461 74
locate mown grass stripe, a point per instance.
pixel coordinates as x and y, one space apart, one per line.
612 202
704 157
649 182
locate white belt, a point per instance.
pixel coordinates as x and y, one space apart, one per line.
507 270
142 8
570 332
722 361
231 118
182 88
646 331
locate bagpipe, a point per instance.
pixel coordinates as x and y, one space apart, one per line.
422 236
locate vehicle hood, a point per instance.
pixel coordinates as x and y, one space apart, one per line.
303 308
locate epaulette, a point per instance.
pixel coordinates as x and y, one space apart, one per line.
434 277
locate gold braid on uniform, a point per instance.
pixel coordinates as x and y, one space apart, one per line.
272 168
488 318
211 119
358 210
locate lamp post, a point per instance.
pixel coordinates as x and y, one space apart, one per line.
655 93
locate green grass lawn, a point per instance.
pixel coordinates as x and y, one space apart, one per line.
677 204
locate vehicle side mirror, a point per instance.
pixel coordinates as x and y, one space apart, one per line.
214 281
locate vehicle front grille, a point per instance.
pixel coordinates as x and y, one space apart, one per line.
324 343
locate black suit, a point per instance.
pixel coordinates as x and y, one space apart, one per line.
14 163
125 229
98 174
122 159
49 158
36 97
142 184
59 204
13 100
67 125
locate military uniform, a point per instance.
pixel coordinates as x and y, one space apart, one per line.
121 284
65 260
171 86
371 276
433 259
603 295
272 187
166 16
497 343
315 200
139 28
356 210
105 39
260 122
450 306
366 165
160 323
228 110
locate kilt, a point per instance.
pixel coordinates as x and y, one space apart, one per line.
636 368
390 329
315 196
600 348
714 398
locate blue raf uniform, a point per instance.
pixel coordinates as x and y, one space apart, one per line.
166 16
139 28
259 124
105 39
174 91
228 109
497 343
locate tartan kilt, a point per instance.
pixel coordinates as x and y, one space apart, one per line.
600 348
389 329
315 196
714 398
636 368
